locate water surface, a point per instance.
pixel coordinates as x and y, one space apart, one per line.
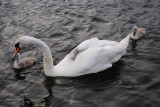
134 81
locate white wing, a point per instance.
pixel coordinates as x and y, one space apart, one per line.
97 55
82 47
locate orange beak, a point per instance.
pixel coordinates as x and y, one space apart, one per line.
17 50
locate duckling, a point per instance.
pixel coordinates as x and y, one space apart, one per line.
25 62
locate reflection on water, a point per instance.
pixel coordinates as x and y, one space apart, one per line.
27 103
63 24
133 47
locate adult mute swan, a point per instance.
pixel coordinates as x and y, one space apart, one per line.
25 62
91 56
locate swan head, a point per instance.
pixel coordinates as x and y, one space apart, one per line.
20 43
137 33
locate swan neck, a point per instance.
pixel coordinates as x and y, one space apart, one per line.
47 61
47 57
124 42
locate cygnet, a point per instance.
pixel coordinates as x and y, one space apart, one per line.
24 62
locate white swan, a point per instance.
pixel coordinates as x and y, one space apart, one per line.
25 62
91 56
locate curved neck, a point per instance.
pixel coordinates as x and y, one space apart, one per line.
47 56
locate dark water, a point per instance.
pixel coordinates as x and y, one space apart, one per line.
134 81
